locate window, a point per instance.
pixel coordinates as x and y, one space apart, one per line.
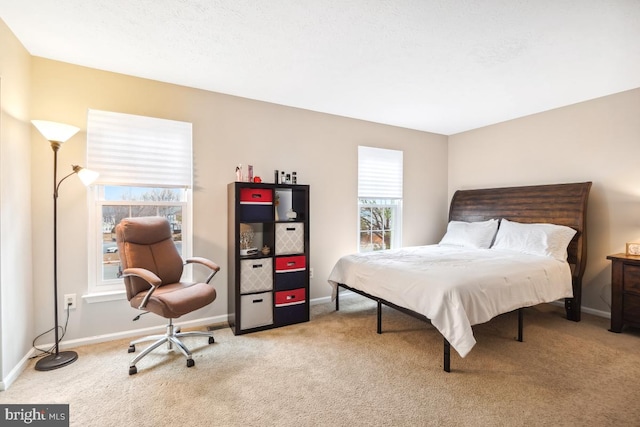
379 199
117 202
145 167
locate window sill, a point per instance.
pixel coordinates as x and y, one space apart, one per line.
104 296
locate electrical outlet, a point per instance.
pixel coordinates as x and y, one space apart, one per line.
70 301
311 273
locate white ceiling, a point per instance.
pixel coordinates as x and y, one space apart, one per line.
441 66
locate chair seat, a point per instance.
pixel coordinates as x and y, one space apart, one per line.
176 299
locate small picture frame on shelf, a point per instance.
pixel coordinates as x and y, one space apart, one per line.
633 249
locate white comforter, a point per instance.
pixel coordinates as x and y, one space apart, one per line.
455 287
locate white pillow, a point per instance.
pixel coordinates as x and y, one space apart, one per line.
538 239
470 234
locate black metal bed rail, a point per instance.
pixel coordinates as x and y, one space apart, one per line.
380 301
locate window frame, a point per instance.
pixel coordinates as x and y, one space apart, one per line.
380 180
395 224
97 284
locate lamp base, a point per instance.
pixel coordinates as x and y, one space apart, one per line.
56 361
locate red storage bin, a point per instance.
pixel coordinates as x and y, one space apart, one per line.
292 297
256 204
290 264
262 196
291 272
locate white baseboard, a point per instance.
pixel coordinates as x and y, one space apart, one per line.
587 310
16 371
137 332
320 300
599 313
207 321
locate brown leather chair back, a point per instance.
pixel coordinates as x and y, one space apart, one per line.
146 242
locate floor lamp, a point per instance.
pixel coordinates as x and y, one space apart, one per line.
57 134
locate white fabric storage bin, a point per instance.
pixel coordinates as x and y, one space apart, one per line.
256 310
289 238
256 275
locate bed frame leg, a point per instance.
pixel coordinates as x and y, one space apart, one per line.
520 321
572 307
338 298
447 356
379 317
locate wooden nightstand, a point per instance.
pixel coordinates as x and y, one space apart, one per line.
625 291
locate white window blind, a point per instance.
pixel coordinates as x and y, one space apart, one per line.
379 173
136 150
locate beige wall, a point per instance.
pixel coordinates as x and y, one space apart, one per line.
16 291
227 130
596 141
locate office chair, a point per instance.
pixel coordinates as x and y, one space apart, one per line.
152 269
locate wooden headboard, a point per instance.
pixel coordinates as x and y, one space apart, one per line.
563 204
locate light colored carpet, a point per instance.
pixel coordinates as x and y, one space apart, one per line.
335 370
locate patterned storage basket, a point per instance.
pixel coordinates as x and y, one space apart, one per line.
289 238
256 275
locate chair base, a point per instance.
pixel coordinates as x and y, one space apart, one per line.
171 338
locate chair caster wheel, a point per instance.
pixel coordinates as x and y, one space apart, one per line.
133 370
132 349
190 363
211 340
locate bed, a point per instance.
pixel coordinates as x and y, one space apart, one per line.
536 254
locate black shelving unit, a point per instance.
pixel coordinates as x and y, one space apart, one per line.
267 289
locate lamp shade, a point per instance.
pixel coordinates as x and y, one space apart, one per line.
53 131
87 176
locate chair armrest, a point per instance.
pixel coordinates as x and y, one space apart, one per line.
149 277
204 261
207 263
144 274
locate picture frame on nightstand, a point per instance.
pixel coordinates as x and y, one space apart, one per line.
633 249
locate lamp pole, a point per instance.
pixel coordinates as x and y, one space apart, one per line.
58 359
56 134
